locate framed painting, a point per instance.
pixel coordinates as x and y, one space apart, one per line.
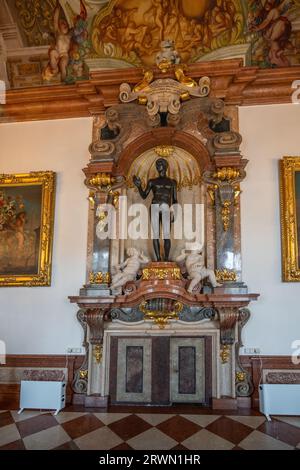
290 218
26 228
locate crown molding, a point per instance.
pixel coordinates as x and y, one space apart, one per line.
230 81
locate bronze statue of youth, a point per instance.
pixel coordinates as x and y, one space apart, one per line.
164 191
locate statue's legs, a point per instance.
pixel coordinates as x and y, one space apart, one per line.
165 222
156 246
195 280
160 220
212 278
167 246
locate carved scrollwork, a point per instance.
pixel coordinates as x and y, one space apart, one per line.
129 287
194 314
244 385
164 95
101 149
128 315
80 379
173 119
126 94
225 142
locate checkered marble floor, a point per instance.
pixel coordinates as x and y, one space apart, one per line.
147 430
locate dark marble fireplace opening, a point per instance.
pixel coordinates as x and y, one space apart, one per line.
160 370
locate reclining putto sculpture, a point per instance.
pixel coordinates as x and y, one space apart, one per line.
196 269
128 270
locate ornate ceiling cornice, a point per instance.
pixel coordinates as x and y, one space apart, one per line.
230 81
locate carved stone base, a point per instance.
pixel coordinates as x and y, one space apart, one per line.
90 401
224 404
244 402
227 288
96 401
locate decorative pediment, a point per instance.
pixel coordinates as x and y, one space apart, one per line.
165 95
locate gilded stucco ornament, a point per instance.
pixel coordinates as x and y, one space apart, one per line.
225 354
240 376
161 274
224 275
98 353
100 278
164 151
159 316
223 184
164 95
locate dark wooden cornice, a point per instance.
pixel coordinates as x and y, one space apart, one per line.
236 84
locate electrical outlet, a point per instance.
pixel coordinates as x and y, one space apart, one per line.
75 351
251 351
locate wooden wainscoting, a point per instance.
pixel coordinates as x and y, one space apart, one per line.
9 392
257 365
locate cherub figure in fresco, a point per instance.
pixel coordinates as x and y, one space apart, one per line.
276 29
159 17
171 23
221 17
67 41
59 52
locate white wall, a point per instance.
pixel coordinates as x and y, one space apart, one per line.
269 133
40 320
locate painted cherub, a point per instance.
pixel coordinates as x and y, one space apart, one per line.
276 29
66 39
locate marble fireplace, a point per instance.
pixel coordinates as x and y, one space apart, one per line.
154 342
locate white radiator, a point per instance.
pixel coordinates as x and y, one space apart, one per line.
279 399
42 395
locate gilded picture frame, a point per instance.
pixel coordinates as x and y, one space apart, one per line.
26 228
290 218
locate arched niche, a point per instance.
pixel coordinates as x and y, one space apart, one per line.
163 136
187 169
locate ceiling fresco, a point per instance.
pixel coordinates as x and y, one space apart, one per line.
44 42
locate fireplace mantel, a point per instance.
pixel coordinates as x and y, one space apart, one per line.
200 138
